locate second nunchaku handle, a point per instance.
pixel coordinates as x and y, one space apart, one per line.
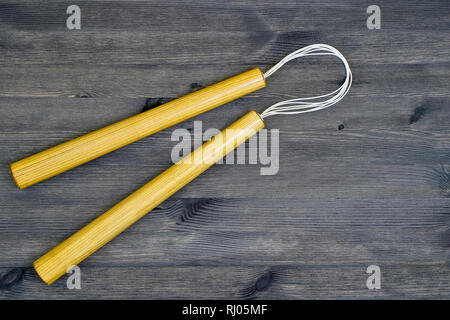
83 243
73 153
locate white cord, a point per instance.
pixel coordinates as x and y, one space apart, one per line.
303 105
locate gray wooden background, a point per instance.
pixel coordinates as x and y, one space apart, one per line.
377 191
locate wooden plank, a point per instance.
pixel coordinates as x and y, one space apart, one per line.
195 48
134 81
243 232
236 282
206 16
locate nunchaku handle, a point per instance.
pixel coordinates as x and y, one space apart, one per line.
73 153
86 241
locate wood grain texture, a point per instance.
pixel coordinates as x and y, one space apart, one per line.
366 182
305 281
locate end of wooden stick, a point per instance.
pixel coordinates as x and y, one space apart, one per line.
13 174
36 268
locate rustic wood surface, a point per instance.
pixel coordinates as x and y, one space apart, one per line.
366 182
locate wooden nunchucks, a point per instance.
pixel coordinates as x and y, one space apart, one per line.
86 241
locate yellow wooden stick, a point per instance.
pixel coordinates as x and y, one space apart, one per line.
80 245
70 154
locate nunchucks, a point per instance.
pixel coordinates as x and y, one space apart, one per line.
86 241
